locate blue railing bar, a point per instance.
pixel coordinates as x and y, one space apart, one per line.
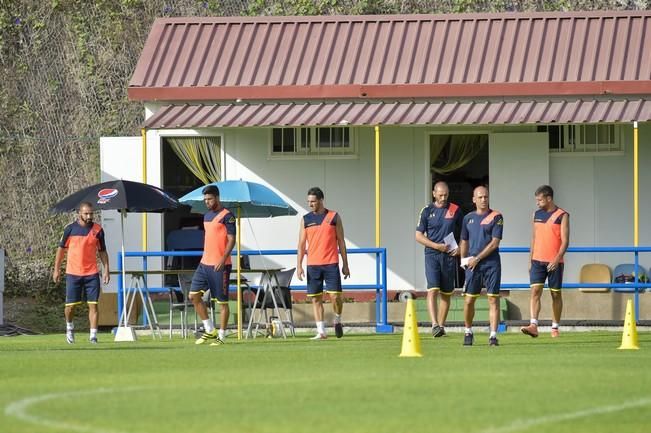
243 252
584 285
584 249
380 285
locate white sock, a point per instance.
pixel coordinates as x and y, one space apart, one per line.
468 330
222 334
337 318
320 327
93 333
493 334
534 322
70 326
554 325
208 326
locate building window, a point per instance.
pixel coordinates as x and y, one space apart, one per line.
599 138
312 142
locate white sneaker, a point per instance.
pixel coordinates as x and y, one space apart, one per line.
319 336
70 337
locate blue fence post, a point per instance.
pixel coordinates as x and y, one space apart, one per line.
384 327
636 297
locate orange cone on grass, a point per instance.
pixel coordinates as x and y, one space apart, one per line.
410 338
629 336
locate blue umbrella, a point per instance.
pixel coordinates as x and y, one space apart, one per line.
245 199
252 199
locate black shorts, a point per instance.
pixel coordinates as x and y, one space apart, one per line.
319 274
206 278
539 274
440 271
486 274
88 284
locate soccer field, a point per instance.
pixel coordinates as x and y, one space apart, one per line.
577 383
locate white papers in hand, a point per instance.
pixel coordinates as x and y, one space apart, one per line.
450 242
465 260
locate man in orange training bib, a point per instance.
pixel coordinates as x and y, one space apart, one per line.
549 240
213 272
84 241
323 233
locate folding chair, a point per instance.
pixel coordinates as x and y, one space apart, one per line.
179 287
625 273
276 295
594 273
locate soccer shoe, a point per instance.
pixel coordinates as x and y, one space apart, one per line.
438 331
319 336
93 340
555 333
206 336
70 337
468 339
217 342
493 341
531 330
339 330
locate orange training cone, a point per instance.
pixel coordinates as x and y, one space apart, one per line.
629 336
410 338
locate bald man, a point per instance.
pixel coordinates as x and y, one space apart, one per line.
438 220
481 233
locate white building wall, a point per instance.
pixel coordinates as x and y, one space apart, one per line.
596 190
349 187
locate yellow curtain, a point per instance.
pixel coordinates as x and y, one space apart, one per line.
461 149
201 155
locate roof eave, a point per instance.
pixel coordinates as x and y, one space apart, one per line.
372 91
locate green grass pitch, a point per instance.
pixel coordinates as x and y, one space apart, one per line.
577 383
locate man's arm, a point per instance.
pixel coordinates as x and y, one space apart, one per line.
424 240
300 250
103 257
488 249
230 243
341 243
463 248
421 238
58 259
533 240
565 242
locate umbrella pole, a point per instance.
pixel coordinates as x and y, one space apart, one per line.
124 273
239 287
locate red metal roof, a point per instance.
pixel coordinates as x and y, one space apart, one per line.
366 57
441 112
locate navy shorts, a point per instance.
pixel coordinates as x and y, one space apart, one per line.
539 274
318 274
440 272
217 282
76 287
486 274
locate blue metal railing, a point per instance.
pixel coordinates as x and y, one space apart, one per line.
380 286
637 286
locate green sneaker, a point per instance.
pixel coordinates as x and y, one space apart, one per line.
217 342
206 336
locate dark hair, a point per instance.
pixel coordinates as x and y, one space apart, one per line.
545 190
211 189
316 191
